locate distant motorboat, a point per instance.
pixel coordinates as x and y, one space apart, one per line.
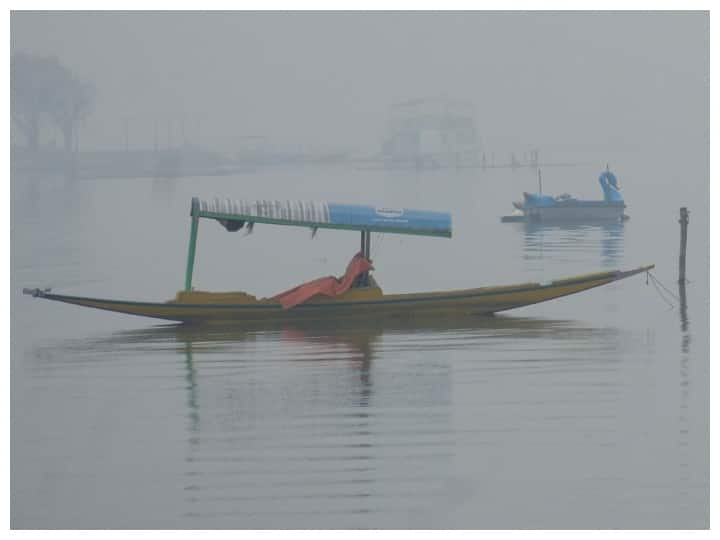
537 207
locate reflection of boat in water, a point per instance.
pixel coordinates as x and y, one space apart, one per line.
360 337
337 418
356 295
353 344
537 207
350 345
574 239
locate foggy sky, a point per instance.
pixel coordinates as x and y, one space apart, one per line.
611 79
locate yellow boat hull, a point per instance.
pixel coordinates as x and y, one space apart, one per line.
360 303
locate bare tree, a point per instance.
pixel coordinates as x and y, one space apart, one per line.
71 103
42 88
26 95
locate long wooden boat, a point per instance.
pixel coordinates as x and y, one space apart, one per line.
364 299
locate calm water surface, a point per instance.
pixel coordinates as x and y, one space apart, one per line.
585 412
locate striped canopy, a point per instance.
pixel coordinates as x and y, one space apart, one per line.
326 215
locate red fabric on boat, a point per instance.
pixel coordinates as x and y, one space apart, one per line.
329 286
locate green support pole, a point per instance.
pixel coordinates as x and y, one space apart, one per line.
194 212
366 275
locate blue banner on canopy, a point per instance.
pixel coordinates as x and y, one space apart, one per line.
318 214
382 218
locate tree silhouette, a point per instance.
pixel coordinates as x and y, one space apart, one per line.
42 88
28 92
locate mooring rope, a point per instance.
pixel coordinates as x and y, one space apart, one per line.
662 296
657 284
675 296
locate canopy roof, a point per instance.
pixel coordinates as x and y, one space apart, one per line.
325 215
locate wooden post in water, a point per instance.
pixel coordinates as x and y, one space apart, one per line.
684 220
683 312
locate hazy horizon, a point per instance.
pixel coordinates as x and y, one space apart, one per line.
314 79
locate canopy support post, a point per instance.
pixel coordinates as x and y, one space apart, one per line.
363 280
195 213
365 244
